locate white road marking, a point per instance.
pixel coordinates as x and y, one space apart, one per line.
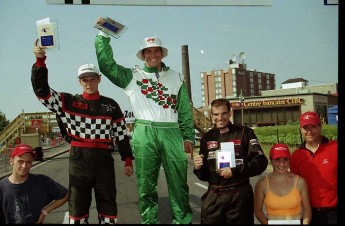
66 218
201 185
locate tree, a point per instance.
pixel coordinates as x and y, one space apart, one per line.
3 121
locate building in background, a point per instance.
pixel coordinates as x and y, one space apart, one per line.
256 102
233 81
280 109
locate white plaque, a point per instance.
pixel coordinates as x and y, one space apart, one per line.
46 31
226 155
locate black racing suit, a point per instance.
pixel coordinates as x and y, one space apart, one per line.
90 121
63 130
230 200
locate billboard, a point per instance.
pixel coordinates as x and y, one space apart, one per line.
36 123
165 2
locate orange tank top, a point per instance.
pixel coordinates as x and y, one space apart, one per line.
287 205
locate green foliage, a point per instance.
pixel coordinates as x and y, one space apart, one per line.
330 131
3 121
290 122
290 134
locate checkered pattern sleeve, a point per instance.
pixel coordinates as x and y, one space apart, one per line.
119 129
46 95
122 140
53 102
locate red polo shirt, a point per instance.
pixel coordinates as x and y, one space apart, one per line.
320 170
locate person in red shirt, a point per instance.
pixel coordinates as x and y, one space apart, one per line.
316 160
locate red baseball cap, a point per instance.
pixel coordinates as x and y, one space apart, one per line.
280 151
309 118
21 149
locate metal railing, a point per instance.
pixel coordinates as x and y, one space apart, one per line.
5 160
201 122
20 124
11 131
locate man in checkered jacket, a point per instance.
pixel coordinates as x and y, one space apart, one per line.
163 129
90 121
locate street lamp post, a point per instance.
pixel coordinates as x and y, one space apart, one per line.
241 98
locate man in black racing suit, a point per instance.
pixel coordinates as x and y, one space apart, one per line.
229 198
90 121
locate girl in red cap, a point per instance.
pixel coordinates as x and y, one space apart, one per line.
284 194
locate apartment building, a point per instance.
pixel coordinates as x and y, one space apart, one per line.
234 81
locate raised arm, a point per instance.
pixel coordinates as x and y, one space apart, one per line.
117 74
39 80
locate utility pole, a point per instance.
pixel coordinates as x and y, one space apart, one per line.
241 98
185 70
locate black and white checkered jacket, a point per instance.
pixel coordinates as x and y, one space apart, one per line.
90 120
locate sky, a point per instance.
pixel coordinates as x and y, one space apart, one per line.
291 39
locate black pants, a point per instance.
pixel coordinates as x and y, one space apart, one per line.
233 206
324 216
89 169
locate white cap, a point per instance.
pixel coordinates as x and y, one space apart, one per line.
88 70
151 42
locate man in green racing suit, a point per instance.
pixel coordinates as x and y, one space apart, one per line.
164 128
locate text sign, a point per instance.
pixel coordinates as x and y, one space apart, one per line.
55 129
268 103
36 123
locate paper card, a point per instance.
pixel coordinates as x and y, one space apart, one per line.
226 155
225 159
46 33
111 27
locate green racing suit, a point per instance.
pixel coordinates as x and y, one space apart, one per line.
163 121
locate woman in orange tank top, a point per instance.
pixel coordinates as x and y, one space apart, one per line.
284 194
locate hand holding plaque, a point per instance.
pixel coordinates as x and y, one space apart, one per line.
110 27
39 51
46 31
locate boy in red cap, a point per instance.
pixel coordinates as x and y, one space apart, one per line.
284 194
316 160
26 198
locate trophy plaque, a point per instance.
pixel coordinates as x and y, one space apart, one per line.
111 27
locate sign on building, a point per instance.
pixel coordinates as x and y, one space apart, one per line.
36 123
55 129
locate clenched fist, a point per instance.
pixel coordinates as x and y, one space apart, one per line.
39 51
198 161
